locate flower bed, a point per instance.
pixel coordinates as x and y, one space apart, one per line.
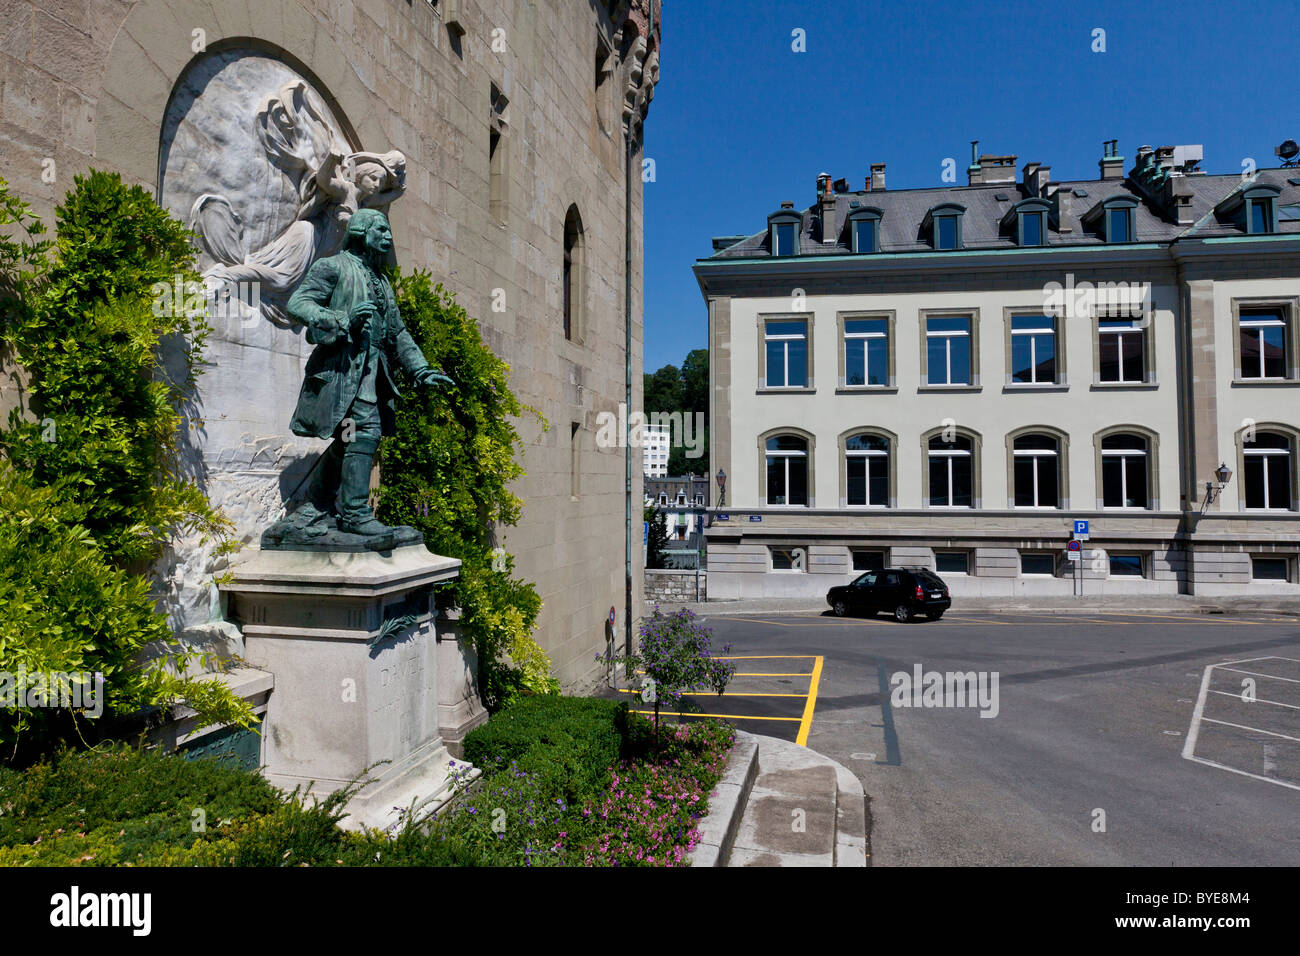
642 812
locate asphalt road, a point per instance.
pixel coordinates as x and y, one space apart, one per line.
1130 739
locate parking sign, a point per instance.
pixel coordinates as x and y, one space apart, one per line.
1081 530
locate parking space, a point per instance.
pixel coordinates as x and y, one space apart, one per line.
1247 719
770 694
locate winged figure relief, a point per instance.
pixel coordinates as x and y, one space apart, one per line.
331 182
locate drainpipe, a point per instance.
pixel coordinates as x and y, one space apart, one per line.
627 383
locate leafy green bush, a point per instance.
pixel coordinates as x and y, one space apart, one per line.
107 408
570 743
447 472
96 486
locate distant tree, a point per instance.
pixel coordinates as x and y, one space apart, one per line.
656 537
684 391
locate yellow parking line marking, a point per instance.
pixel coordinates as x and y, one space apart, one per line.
713 693
771 657
767 674
805 724
664 713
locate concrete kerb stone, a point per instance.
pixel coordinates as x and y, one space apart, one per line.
850 819
727 804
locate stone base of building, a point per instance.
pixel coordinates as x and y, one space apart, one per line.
350 639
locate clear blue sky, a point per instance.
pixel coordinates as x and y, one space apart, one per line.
740 122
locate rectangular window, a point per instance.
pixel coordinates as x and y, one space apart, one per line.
1268 479
948 350
1263 343
575 459
1126 565
788 559
1037 562
784 239
868 560
864 235
1261 219
1032 229
1121 349
868 479
786 343
1033 349
945 230
1270 569
1120 229
866 352
1124 480
952 562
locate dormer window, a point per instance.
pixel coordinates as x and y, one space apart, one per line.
1261 215
783 231
1028 219
864 230
1114 219
1253 210
944 225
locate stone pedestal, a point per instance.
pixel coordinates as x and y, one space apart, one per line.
350 638
460 709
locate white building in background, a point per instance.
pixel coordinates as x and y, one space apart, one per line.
951 377
655 442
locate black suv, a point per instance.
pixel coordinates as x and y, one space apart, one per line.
904 592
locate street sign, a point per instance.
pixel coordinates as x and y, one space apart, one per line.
1072 546
611 614
645 532
1072 555
755 517
1081 530
722 516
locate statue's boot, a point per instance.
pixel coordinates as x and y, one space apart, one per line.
313 515
355 514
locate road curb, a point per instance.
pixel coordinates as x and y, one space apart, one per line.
727 804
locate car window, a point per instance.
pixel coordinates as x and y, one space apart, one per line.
930 580
866 580
889 579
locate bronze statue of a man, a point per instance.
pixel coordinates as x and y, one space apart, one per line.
348 393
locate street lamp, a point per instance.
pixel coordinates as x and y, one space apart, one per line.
1222 474
722 487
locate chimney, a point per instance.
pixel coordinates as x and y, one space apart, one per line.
1112 163
877 176
826 208
1037 177
788 204
991 169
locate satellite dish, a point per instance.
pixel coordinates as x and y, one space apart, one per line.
1288 151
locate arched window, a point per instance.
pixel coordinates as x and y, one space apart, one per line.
573 286
1266 481
1036 472
866 465
1125 471
787 470
951 471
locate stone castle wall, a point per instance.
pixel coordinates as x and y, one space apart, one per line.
88 83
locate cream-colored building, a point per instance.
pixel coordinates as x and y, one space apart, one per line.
519 125
952 377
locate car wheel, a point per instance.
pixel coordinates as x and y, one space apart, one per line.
840 608
902 614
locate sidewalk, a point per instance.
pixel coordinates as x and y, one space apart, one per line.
1112 604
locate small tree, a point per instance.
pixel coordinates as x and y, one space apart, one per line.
677 658
448 470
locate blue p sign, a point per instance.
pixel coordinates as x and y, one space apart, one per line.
1081 527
